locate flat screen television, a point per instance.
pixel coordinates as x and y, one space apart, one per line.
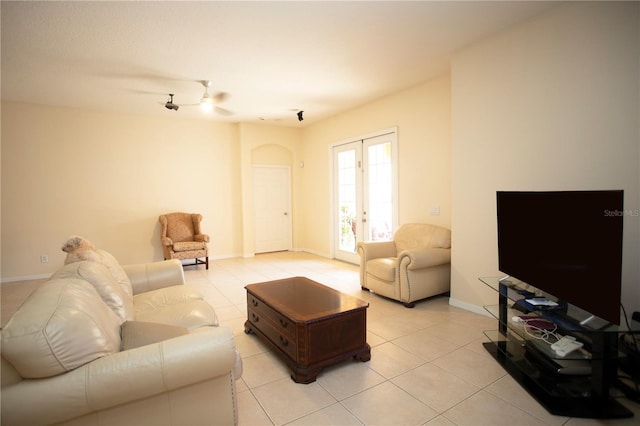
565 243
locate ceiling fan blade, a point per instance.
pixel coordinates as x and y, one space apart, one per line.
220 97
222 111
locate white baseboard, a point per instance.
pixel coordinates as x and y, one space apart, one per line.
468 307
25 278
317 253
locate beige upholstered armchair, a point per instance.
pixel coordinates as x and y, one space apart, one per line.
182 238
415 265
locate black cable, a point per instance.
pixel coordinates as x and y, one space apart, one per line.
635 347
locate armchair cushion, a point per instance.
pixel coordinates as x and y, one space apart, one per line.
188 245
383 268
140 333
64 325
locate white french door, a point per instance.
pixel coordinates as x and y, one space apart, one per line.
364 193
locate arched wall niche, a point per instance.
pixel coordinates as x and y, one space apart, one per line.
271 154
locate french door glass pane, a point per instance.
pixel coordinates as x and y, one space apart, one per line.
347 200
380 196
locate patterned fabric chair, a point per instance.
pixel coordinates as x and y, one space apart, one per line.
182 238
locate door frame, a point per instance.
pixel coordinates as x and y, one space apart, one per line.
394 178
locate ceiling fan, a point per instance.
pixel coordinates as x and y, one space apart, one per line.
207 102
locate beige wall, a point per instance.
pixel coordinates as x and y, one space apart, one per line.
422 116
107 177
551 104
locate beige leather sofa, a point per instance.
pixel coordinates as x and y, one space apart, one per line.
103 344
415 265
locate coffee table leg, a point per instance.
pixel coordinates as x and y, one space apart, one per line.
364 356
304 375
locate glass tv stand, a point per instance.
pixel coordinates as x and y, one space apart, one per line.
575 385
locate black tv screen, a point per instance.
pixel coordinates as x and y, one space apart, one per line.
565 243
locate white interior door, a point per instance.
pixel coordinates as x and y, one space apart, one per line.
365 193
272 208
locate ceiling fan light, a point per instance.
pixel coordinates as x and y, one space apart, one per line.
206 106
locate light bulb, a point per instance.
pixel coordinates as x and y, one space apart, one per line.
206 105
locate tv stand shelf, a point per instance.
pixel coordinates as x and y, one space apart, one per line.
577 385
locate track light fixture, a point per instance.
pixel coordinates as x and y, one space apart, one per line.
170 104
300 115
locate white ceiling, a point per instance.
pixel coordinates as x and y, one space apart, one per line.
271 58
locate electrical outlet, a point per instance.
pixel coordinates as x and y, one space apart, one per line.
434 211
44 258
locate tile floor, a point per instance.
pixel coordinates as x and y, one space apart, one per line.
427 367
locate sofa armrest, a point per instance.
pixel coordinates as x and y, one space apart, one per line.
152 276
424 257
121 378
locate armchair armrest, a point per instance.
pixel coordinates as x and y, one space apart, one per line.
166 241
376 249
121 378
424 257
152 276
201 237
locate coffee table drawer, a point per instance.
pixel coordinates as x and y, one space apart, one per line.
280 322
287 343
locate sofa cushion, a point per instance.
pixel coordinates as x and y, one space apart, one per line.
140 333
79 249
103 281
383 268
191 314
63 325
154 299
116 270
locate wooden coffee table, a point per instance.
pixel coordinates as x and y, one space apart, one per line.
308 324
